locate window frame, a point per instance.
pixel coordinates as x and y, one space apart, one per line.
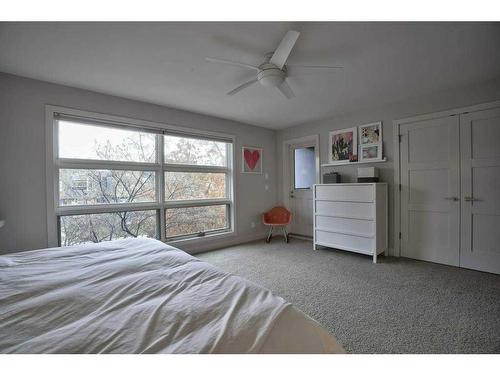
54 164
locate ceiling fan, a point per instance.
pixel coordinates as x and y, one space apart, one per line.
273 72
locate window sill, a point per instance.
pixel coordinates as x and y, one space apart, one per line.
194 240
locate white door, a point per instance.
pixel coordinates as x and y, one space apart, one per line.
302 162
430 190
480 160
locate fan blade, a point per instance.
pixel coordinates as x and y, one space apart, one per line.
286 90
229 62
291 69
242 87
283 51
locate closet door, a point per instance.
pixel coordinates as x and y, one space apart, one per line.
480 169
430 190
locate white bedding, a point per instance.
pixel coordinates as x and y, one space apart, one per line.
142 296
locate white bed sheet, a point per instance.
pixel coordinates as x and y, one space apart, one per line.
142 296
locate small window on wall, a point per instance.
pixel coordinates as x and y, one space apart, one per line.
304 168
116 181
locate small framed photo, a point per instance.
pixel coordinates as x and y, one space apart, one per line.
370 141
371 152
251 160
343 146
370 133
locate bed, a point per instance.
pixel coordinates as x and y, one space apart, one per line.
142 296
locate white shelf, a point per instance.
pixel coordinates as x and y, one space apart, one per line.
354 163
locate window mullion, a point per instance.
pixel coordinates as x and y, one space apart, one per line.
105 208
104 164
197 202
195 168
161 184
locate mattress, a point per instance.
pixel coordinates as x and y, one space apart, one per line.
142 296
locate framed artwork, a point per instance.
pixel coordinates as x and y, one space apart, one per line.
370 141
343 146
251 160
371 152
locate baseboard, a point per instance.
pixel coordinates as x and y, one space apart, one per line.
212 244
306 238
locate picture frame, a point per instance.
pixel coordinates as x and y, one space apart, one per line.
370 152
370 141
251 159
342 146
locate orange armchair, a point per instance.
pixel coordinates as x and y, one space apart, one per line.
277 217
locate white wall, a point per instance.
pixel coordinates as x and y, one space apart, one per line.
22 156
22 149
474 94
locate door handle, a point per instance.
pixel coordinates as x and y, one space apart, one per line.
471 199
454 199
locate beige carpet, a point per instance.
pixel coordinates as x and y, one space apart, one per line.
395 306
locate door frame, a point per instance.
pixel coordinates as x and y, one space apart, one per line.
396 125
286 163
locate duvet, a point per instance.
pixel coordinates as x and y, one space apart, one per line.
142 296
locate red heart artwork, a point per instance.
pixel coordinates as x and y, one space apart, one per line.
251 158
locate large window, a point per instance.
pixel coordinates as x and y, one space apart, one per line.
114 181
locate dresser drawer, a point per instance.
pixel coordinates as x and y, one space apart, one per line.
364 228
350 193
345 209
346 242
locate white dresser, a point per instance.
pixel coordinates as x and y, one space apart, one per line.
351 217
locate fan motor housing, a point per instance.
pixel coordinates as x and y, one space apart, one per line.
270 75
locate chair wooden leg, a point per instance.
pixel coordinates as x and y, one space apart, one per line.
270 234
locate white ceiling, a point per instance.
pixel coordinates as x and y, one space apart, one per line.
164 63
